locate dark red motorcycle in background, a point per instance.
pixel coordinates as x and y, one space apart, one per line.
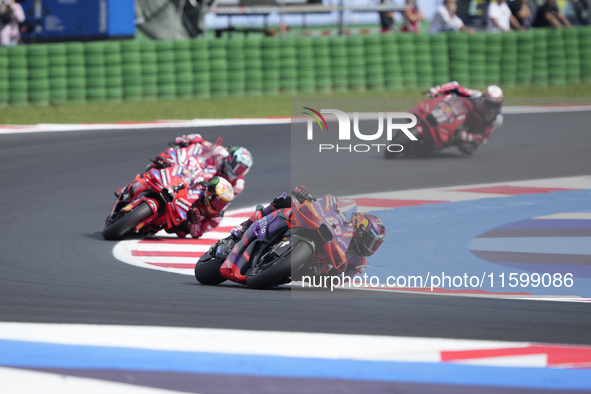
439 120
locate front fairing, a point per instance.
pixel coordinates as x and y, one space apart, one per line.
171 191
259 238
443 116
335 214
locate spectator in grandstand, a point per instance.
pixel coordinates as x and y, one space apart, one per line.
386 18
549 15
581 9
445 19
11 15
413 17
522 13
500 19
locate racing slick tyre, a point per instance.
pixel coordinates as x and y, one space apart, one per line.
207 269
279 271
421 148
121 226
399 139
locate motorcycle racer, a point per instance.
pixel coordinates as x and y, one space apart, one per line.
368 233
208 209
231 163
208 201
482 113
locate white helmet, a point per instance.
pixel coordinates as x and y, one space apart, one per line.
492 101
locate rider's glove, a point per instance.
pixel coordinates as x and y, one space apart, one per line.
237 232
193 215
283 201
302 194
160 162
182 141
186 140
475 93
433 92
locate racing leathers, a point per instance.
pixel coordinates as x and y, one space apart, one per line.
355 264
211 157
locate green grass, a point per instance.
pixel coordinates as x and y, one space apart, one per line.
236 107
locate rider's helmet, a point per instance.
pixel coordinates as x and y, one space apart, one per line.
491 102
218 194
368 233
237 163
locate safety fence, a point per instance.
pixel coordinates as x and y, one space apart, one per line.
115 71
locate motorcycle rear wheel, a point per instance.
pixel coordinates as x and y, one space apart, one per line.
121 226
280 271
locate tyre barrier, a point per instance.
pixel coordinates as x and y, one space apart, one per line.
116 71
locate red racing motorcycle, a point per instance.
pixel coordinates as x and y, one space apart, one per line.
163 205
438 120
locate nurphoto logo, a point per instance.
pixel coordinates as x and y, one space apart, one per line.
390 119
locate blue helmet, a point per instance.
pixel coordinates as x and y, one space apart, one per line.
237 163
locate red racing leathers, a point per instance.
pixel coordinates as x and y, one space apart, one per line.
454 115
211 157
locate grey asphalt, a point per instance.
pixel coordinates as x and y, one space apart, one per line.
58 189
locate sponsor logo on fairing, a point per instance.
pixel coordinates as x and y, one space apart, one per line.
182 205
164 176
262 225
392 127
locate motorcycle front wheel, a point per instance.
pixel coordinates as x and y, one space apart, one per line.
207 269
279 271
121 226
399 139
422 147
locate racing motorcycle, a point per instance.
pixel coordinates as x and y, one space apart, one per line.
164 204
283 246
438 119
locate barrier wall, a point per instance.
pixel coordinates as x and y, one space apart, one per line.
117 71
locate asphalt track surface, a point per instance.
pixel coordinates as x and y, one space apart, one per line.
55 267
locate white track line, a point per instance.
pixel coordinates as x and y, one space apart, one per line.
24 381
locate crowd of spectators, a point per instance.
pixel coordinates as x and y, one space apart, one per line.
501 16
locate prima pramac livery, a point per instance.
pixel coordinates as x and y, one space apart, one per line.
290 239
